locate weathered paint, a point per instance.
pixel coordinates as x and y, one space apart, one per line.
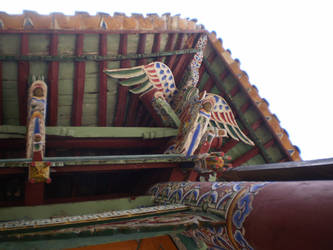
258 215
94 132
72 209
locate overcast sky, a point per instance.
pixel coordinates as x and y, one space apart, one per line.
286 47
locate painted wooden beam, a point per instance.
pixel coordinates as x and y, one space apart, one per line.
211 57
114 167
250 154
94 132
157 45
141 49
53 76
284 171
238 112
1 97
184 60
120 113
134 99
96 58
169 45
245 107
257 124
143 116
229 145
23 76
234 90
172 59
102 100
79 79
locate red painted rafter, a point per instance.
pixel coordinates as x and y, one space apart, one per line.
234 90
133 109
143 117
229 145
141 49
169 44
53 75
122 90
210 59
172 59
79 79
102 100
157 45
245 107
209 84
184 60
23 75
250 154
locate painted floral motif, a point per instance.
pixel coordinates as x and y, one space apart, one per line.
231 201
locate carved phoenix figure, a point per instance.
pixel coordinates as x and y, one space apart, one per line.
199 114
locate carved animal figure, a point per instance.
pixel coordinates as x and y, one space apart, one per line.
197 112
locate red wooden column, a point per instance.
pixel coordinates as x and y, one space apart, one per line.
79 79
292 215
258 215
102 101
23 76
122 90
53 75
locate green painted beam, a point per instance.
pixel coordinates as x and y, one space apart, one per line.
101 160
10 131
72 209
66 58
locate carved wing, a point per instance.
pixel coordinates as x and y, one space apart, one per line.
224 118
143 78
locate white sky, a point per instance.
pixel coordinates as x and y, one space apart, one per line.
286 47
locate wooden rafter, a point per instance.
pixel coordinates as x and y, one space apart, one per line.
134 99
23 75
172 59
102 100
250 154
157 45
223 92
142 115
184 60
79 80
277 140
169 44
211 57
53 75
120 113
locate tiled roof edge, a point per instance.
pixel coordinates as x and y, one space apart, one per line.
31 20
262 105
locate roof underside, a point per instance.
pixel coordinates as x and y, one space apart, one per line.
71 53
